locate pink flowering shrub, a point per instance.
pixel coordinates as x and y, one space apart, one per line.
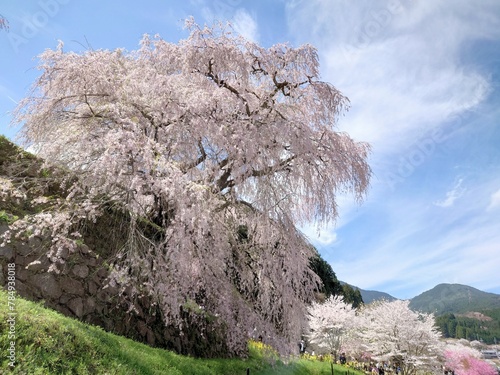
465 361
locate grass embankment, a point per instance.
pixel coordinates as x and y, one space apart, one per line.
47 342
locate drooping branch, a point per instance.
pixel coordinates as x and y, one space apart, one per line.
203 156
273 168
223 83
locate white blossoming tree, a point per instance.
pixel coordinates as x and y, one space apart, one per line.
392 331
330 324
213 149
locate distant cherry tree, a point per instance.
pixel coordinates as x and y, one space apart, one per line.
331 324
392 331
215 148
465 360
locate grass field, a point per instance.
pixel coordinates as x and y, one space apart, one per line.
47 342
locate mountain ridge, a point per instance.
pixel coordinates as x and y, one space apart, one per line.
454 298
442 298
461 311
371 295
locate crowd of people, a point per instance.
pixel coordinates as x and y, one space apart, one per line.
380 368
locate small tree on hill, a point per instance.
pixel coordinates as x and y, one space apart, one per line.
215 148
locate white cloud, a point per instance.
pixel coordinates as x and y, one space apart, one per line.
7 92
398 61
451 196
405 268
405 245
245 25
494 200
320 237
408 69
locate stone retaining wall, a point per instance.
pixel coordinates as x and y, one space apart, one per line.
79 291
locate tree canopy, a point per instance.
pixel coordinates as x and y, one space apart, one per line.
215 148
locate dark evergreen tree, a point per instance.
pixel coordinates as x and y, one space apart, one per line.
446 324
331 285
352 295
358 299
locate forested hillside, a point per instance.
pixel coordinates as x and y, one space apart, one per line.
484 327
462 311
332 286
454 298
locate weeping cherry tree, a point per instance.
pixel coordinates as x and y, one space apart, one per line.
215 149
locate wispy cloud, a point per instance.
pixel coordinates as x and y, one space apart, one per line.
456 192
320 236
396 62
409 70
494 200
241 19
245 25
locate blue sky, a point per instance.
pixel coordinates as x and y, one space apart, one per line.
423 80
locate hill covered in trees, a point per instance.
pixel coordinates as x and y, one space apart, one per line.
454 298
332 286
482 326
462 311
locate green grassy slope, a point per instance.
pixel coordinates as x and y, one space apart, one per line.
47 342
